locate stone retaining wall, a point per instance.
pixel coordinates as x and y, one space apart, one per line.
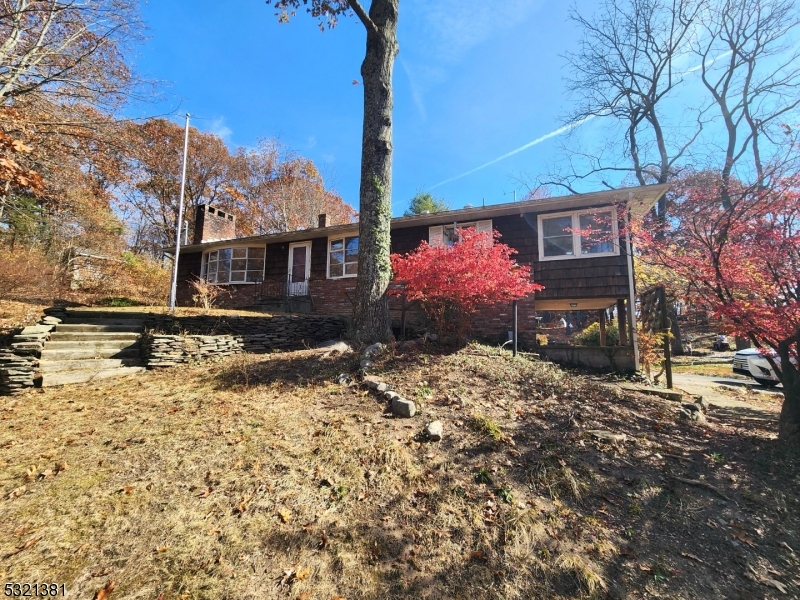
287 331
608 358
16 372
232 335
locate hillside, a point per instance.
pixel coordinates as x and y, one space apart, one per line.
260 477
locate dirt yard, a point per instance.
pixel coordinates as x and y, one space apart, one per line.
259 477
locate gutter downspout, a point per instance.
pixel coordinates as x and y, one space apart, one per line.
631 287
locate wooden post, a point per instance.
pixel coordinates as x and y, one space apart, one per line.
665 328
622 322
603 327
403 319
515 326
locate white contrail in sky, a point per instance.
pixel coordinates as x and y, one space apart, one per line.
556 132
538 140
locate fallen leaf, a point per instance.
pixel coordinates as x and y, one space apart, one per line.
16 492
304 596
476 555
24 546
61 466
104 592
302 574
285 515
692 556
743 537
162 548
125 489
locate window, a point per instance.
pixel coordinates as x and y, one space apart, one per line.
233 265
448 234
578 234
343 257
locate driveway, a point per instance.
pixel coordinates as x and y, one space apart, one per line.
734 395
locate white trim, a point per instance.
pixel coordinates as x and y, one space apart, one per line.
307 246
203 262
634 330
436 235
436 232
576 238
342 237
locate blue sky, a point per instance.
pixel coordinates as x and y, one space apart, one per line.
473 81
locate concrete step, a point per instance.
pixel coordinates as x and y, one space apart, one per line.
93 336
90 343
90 364
137 323
52 354
67 377
86 327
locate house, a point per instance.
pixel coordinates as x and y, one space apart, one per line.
576 246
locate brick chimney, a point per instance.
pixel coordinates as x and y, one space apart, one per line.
323 220
212 225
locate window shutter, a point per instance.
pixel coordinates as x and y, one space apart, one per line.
436 235
484 226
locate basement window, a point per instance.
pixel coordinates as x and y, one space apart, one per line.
233 265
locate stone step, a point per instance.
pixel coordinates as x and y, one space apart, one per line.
91 343
67 377
138 323
49 354
91 336
86 327
104 313
90 364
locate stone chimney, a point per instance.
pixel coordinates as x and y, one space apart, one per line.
212 225
323 220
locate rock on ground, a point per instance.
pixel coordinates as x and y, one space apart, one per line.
403 408
434 431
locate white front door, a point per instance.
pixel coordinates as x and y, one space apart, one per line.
299 268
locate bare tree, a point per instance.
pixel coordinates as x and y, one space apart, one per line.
624 70
67 49
634 61
753 78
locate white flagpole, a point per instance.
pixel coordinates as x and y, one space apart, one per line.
179 227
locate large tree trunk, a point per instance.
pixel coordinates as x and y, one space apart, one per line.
789 424
371 320
676 342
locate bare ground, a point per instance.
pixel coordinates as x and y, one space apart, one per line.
258 477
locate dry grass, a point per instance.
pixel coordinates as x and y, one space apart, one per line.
257 477
15 315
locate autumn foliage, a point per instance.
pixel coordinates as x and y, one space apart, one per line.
742 262
453 282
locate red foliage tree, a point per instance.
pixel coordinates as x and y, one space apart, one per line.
742 261
477 271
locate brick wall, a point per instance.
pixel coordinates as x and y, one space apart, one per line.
212 224
331 295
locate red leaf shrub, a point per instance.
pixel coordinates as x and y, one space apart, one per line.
453 282
741 259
